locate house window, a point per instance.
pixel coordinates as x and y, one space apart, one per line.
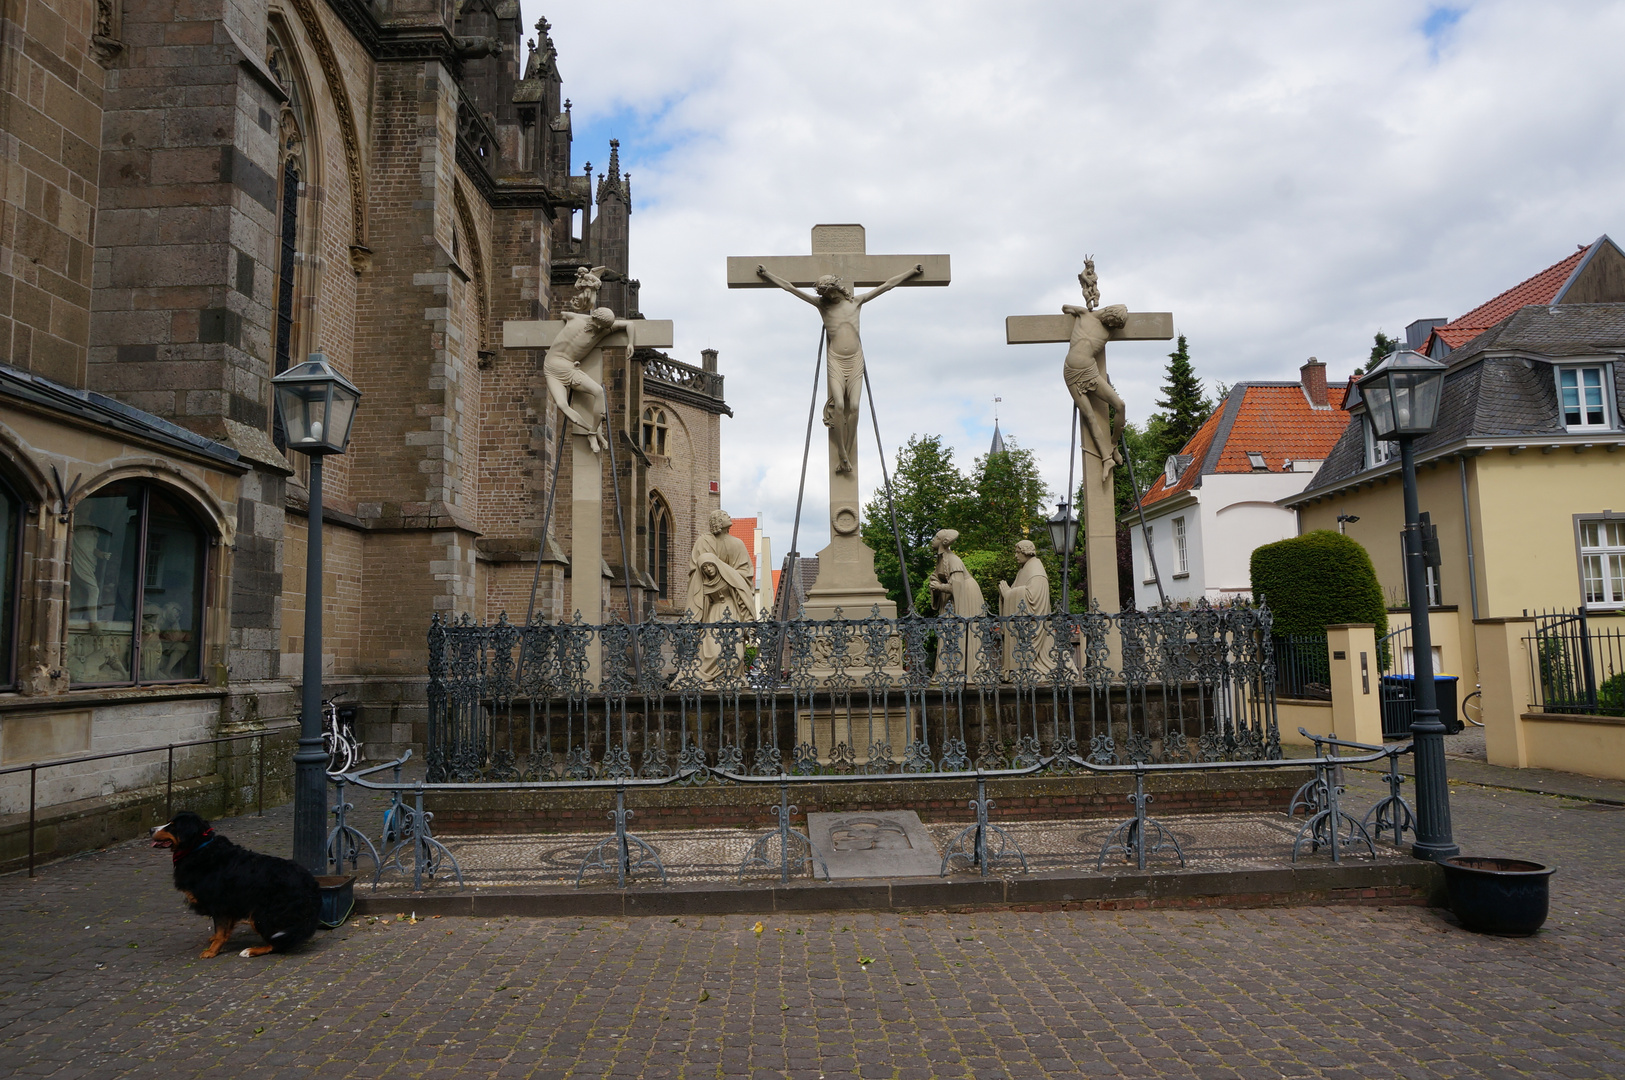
1580 393
1602 562
1180 557
11 534
1170 470
1431 574
1377 451
135 598
660 545
654 430
1150 573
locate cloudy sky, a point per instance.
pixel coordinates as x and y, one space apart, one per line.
1286 178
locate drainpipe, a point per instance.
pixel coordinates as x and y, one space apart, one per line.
1467 519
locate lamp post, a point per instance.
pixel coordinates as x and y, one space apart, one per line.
317 406
1063 534
1402 396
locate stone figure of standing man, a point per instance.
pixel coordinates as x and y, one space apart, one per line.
1028 595
840 307
1085 371
721 581
951 582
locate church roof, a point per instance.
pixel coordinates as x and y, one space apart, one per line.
998 441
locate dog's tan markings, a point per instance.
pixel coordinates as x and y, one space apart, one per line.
190 899
222 933
255 950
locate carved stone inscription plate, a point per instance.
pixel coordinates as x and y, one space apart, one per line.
874 844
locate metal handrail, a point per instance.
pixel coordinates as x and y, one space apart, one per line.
33 768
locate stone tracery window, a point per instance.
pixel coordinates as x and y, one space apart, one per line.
654 430
660 545
292 293
135 596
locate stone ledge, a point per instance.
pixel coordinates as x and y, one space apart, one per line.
1410 883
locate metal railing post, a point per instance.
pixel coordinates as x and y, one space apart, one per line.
33 777
169 786
260 785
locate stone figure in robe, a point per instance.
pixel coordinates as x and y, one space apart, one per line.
1031 588
720 579
950 581
839 307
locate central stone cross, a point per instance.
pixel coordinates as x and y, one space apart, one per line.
846 568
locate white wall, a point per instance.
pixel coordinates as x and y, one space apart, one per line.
1234 513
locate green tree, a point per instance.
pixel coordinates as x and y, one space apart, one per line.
931 493
1009 504
1316 579
1185 405
1381 346
1146 448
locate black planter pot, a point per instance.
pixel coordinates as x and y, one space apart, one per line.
1498 896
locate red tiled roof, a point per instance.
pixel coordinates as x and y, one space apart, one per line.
1540 289
1274 420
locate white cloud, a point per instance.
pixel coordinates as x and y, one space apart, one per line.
1286 178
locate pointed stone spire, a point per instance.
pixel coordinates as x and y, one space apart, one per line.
998 441
611 183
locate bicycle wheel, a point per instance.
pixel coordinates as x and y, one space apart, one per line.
1472 708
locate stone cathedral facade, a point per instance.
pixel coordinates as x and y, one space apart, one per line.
198 195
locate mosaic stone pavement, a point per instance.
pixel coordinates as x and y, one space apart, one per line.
99 976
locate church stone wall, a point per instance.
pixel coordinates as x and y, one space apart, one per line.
51 91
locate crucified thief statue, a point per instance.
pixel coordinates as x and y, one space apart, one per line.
562 369
840 308
1085 370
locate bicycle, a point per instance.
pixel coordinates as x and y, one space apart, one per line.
343 749
1472 708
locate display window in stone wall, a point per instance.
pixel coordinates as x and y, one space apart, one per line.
138 564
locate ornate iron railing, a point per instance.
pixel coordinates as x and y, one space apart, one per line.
876 696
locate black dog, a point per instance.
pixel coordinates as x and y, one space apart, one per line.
229 884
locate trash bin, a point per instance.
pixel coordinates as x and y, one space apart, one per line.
1399 704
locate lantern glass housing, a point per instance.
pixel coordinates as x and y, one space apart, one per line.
1063 529
1402 395
317 406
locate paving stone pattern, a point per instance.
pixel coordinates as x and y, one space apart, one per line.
99 976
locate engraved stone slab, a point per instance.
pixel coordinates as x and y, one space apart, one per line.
874 844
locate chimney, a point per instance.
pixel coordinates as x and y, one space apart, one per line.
1313 377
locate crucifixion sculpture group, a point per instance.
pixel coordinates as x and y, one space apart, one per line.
837 268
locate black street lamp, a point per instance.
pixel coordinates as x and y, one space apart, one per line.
317 406
1402 396
1063 534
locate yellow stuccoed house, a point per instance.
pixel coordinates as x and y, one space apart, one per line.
1525 481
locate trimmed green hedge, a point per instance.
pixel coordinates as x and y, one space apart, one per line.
1318 579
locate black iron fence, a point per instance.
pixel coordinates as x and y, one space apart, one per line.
875 696
1577 666
1303 667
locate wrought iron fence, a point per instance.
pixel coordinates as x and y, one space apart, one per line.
1303 667
876 696
1576 666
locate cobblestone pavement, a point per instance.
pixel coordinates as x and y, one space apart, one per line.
99 976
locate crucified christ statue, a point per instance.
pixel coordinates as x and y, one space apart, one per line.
840 308
1085 370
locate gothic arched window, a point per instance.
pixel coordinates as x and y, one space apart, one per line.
654 430
135 596
660 545
290 297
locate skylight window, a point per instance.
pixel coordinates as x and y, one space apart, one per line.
1256 460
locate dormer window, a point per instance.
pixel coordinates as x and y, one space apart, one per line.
1377 451
1170 470
1580 396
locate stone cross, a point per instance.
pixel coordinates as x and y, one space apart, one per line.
846 568
586 467
1098 517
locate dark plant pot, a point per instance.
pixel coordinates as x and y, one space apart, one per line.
1498 896
338 899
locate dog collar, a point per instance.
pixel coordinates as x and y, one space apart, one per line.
178 854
